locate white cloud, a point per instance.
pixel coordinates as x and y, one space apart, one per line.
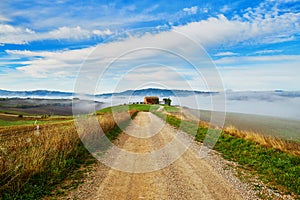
151 9
102 33
225 9
213 30
17 35
227 53
257 59
4 19
191 11
67 33
147 76
267 51
204 10
264 24
136 51
129 8
51 64
96 15
221 30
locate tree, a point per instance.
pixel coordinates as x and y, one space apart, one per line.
167 101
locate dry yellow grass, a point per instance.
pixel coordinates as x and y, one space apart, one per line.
267 141
25 151
287 146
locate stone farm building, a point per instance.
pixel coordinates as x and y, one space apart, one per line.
151 100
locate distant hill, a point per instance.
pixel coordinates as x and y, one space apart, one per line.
35 93
142 92
231 95
156 92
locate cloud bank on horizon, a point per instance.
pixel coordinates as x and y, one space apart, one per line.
255 45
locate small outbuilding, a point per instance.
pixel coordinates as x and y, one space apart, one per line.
151 100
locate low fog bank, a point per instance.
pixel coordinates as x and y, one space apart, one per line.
283 104
276 104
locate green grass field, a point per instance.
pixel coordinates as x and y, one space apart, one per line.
16 120
138 107
265 125
15 123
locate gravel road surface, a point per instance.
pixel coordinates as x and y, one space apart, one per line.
175 172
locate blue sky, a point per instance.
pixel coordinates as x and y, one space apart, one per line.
46 44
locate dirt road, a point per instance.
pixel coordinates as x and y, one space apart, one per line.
188 177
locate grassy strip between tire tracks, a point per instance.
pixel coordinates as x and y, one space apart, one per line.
279 169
